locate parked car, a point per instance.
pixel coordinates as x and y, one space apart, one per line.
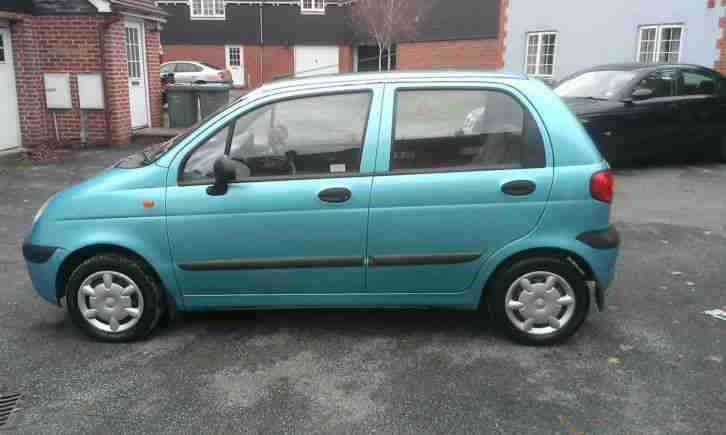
422 189
637 111
193 72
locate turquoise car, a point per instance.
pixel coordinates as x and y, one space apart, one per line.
466 190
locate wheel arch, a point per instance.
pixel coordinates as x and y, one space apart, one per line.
582 266
77 257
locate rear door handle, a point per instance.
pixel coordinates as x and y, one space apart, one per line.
519 187
335 194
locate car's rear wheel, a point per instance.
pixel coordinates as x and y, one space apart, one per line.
539 301
114 298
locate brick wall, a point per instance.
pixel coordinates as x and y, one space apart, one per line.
29 83
470 53
345 58
117 82
720 64
262 64
502 37
211 54
70 44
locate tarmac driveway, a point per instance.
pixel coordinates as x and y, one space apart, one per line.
652 363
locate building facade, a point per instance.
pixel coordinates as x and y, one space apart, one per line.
269 39
78 71
584 33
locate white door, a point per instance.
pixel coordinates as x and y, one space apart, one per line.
236 63
9 119
312 60
136 55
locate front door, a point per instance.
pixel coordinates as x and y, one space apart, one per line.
10 131
235 64
463 172
653 126
136 58
295 220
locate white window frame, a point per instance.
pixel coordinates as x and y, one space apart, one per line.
200 14
538 61
317 7
657 51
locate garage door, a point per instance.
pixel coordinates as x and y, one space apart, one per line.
9 120
312 60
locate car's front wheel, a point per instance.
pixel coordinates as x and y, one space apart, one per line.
114 298
539 301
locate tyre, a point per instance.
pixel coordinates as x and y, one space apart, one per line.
114 298
539 301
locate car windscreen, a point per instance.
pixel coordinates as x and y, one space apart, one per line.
595 84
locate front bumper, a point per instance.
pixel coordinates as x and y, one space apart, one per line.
43 263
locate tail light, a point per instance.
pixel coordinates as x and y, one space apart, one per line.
602 185
221 75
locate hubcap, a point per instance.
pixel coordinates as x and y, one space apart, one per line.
110 301
540 303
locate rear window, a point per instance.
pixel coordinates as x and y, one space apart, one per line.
460 129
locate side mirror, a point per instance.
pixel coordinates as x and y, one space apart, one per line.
224 173
642 94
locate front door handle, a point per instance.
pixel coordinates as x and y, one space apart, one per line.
519 187
335 194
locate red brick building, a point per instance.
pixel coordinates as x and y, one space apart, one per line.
94 62
301 37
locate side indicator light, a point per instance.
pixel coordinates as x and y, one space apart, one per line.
148 203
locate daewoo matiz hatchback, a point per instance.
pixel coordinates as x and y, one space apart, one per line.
459 189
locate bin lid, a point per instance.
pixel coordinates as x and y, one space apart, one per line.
212 87
180 87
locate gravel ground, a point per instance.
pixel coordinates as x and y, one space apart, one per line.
652 363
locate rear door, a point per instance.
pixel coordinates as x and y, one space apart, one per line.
461 171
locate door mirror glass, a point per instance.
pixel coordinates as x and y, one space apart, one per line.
224 173
641 94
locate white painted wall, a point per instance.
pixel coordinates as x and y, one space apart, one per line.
594 32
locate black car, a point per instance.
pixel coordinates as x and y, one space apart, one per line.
636 111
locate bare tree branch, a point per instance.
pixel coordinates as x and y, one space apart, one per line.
388 22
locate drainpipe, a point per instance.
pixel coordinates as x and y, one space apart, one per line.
102 47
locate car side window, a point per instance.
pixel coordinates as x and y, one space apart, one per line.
662 83
697 83
187 68
459 129
199 167
166 69
308 136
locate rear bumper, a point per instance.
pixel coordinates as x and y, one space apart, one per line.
43 264
602 247
601 239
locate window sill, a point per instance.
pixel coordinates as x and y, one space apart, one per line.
312 12
209 18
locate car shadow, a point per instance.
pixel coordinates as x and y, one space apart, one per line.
340 321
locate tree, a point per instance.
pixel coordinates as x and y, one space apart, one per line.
388 22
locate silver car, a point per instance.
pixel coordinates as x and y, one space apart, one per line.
193 72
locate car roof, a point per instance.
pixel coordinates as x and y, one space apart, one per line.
390 76
640 67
